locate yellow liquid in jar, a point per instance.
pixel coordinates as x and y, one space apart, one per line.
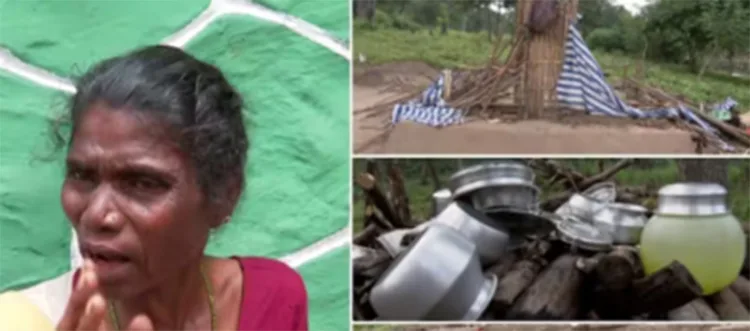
711 247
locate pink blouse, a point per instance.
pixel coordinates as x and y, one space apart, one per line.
273 296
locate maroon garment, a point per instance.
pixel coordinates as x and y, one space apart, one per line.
274 297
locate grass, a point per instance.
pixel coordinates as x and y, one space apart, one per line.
663 173
459 49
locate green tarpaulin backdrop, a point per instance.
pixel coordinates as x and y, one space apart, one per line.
298 108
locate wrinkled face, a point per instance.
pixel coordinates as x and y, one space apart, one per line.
134 200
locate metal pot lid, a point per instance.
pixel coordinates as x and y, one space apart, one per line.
605 191
512 172
692 199
470 187
520 222
584 235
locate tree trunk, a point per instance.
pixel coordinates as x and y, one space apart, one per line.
365 9
705 170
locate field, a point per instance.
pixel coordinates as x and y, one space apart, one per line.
660 172
459 49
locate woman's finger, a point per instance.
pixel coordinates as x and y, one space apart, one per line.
94 313
87 284
140 323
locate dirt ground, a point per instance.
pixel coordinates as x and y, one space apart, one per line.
574 135
559 327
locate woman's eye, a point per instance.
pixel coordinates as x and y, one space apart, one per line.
78 174
144 183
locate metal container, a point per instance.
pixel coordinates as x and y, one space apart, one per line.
440 199
490 238
624 222
486 175
605 192
522 223
584 235
521 197
581 207
391 241
439 277
692 199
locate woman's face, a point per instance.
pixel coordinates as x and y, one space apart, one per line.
134 200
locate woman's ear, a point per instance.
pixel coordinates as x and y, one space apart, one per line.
226 206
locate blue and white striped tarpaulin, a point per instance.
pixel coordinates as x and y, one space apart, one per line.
582 86
431 109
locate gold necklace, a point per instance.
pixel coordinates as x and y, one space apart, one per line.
116 320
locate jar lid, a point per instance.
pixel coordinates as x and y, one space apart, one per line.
583 235
442 194
691 199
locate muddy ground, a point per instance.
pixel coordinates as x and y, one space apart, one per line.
559 327
570 134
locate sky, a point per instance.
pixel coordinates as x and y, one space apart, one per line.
634 6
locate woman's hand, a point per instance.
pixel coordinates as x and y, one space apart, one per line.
87 308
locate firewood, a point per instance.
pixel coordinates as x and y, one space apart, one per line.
372 265
510 286
696 310
613 278
667 289
728 306
554 295
369 184
364 237
741 288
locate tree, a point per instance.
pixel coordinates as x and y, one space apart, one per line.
705 170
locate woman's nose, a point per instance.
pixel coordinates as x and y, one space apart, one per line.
101 214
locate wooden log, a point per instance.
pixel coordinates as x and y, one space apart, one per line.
667 289
696 310
741 288
554 295
372 264
366 236
515 282
399 196
373 217
613 278
728 306
502 267
368 183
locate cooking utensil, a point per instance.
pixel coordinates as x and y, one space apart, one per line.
624 222
605 192
583 235
488 175
441 199
521 197
490 238
581 207
439 277
522 223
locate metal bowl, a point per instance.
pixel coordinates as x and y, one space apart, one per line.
488 175
604 192
490 238
522 197
439 277
624 222
581 207
583 235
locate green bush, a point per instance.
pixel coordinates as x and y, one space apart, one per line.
606 39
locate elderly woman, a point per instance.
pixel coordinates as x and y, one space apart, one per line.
155 162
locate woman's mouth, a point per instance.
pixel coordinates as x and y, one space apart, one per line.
110 265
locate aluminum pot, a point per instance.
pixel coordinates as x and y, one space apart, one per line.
521 197
488 175
441 199
605 192
523 223
438 278
581 207
624 222
583 235
490 238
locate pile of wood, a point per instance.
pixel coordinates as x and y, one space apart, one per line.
520 78
547 279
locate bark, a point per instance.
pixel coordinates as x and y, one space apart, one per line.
705 170
728 306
